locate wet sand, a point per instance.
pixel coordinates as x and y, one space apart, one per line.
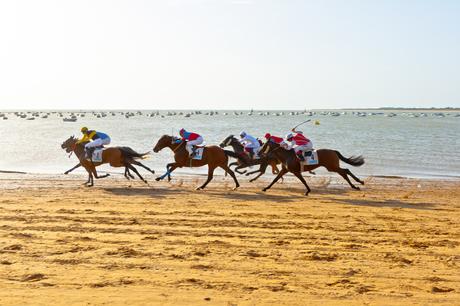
396 242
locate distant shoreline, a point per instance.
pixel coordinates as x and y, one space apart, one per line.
385 108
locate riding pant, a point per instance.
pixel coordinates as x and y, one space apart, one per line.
304 148
189 145
98 142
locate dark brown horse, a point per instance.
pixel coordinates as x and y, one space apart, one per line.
327 158
243 160
115 156
213 156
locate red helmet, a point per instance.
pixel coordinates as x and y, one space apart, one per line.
181 131
268 135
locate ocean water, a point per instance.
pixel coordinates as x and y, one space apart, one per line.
410 144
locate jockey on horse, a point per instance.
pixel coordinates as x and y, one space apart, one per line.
251 144
96 139
299 143
192 140
275 139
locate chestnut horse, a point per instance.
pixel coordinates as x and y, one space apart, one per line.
213 156
327 158
115 156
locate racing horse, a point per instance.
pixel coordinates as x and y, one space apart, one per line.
213 156
245 161
115 156
326 158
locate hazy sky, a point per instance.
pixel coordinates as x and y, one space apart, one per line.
221 54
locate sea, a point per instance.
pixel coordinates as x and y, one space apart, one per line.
395 143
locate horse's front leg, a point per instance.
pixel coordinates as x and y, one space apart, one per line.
280 175
93 170
70 170
240 167
172 167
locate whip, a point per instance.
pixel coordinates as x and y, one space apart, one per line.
301 124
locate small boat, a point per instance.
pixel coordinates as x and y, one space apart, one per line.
69 119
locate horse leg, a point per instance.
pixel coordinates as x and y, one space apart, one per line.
232 174
90 181
233 164
239 167
280 174
167 169
172 167
210 176
300 177
131 167
261 171
137 163
343 173
354 177
70 170
128 174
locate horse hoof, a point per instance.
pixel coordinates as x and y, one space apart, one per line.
306 194
198 188
265 189
153 171
357 188
158 179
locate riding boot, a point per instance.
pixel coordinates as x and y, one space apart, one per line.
89 153
192 155
300 156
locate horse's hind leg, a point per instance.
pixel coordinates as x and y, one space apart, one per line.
131 167
210 176
300 177
135 162
354 177
343 173
128 174
229 171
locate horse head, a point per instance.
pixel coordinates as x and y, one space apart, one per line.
227 141
268 147
69 144
163 142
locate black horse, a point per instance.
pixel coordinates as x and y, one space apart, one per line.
244 161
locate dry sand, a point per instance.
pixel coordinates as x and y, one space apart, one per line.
395 242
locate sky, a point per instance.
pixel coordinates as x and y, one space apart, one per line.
229 54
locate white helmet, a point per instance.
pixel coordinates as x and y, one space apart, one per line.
243 134
289 136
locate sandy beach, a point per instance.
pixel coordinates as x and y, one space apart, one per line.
395 242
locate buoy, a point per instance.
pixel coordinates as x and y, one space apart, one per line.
316 122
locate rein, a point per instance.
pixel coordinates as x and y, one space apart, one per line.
178 145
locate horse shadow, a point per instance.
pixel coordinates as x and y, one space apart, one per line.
383 203
148 192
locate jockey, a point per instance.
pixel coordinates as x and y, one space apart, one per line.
251 144
300 143
96 139
192 140
275 139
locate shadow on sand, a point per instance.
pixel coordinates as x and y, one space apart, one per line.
226 194
383 203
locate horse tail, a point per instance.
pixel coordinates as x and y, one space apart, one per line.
353 160
130 153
